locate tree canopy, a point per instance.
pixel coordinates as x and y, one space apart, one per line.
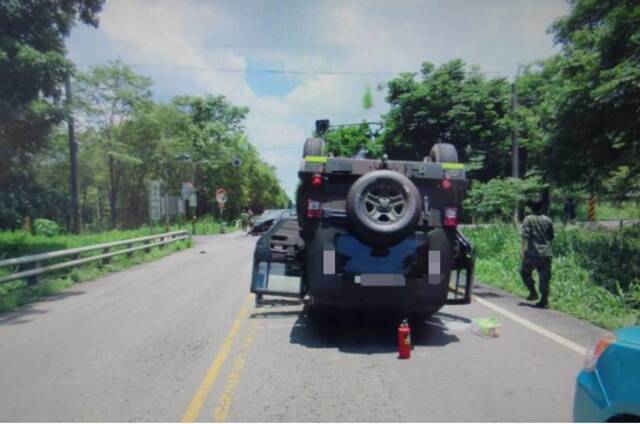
450 104
33 68
596 129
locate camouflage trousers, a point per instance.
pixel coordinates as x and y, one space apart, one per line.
541 264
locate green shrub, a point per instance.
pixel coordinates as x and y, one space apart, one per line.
612 258
498 198
595 273
10 219
45 227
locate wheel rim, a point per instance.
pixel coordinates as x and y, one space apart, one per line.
385 203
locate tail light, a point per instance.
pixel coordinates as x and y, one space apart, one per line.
314 209
450 217
316 180
591 359
446 184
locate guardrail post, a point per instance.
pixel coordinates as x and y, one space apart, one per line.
160 246
146 249
129 254
105 260
34 279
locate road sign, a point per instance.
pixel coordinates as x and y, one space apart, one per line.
155 201
221 196
187 190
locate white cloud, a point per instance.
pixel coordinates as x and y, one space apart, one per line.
198 47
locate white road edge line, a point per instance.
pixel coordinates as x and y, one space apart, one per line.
580 350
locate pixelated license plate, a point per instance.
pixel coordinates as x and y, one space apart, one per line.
382 280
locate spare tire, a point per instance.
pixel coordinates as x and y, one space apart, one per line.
313 147
383 207
444 152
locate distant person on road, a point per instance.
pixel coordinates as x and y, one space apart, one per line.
536 253
244 219
251 218
569 210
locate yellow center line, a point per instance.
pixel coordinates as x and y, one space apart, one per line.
212 374
222 409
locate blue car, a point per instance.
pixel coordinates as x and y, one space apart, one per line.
608 388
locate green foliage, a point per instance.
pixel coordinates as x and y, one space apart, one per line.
454 105
19 243
348 141
129 140
613 211
498 198
611 257
45 227
10 219
578 277
597 95
106 98
33 68
622 184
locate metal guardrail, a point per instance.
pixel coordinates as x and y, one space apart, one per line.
34 265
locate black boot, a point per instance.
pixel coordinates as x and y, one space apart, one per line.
533 294
543 304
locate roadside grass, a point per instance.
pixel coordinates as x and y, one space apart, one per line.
207 225
16 293
20 243
595 274
609 211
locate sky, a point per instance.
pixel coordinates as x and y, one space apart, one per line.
294 61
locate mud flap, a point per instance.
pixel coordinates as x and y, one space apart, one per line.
461 279
277 261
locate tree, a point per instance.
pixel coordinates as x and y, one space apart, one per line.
107 97
535 119
597 129
348 141
498 198
33 68
453 105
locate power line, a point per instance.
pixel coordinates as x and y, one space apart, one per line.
277 71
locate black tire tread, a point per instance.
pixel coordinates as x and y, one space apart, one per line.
313 146
444 152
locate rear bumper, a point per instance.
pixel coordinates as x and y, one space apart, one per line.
415 295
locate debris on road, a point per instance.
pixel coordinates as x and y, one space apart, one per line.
486 327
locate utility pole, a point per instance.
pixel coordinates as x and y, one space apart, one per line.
73 159
515 164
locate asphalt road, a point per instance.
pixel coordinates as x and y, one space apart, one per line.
180 339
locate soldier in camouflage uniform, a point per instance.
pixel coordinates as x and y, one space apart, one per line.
537 235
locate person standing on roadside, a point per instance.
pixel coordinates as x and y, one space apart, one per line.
569 211
536 253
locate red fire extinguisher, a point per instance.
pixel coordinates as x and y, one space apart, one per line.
404 340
